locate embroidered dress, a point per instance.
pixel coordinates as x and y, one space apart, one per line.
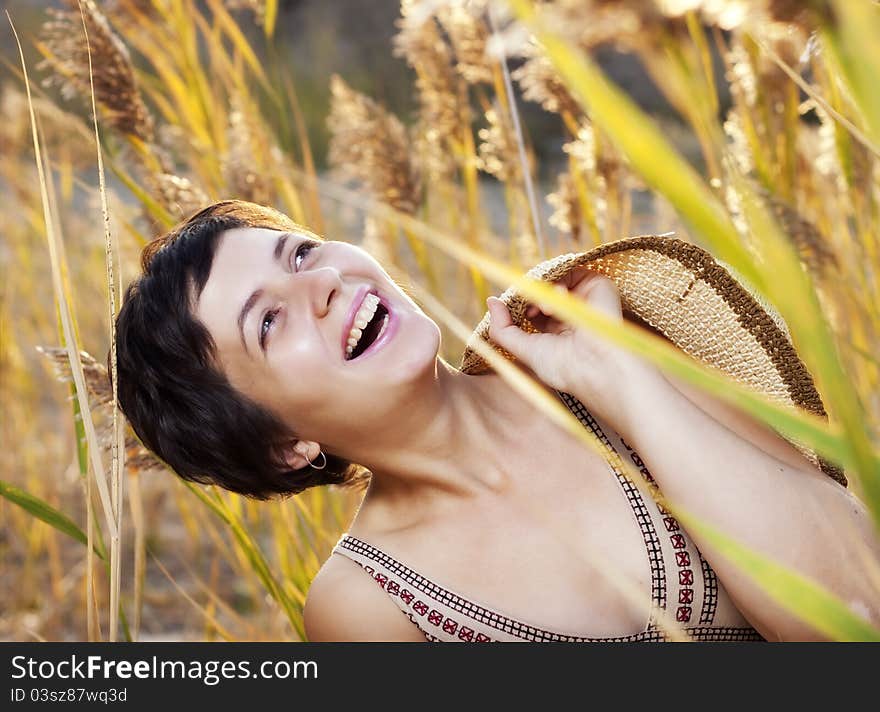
682 582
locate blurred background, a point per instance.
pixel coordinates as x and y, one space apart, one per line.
311 107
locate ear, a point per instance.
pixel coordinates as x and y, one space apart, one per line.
295 453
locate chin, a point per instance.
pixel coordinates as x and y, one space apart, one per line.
414 356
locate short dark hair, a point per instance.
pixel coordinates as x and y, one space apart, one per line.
178 403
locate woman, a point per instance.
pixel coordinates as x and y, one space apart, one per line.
252 355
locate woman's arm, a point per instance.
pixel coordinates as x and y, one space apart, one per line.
781 506
771 501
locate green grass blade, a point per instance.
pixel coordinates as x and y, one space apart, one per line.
44 512
853 44
816 346
254 555
64 303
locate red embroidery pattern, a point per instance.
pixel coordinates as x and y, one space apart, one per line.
449 626
456 630
683 613
435 617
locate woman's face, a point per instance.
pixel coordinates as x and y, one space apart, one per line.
280 305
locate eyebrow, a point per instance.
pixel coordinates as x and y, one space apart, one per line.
254 298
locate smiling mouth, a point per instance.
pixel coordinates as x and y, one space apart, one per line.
374 328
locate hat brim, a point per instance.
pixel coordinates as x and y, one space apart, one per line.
699 304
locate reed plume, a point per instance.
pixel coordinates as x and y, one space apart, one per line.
65 134
596 174
466 27
440 92
177 194
116 90
498 148
370 145
594 23
566 216
540 82
100 397
244 171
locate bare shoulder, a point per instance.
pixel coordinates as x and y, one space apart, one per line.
344 604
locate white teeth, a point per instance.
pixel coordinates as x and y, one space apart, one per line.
361 319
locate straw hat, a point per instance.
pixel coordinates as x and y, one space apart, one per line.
696 302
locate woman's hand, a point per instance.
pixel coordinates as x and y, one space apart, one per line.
572 360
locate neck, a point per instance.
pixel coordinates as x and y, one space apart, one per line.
458 441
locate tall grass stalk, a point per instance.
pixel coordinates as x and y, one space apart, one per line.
63 301
509 99
117 449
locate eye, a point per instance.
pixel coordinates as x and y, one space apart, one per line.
302 249
266 325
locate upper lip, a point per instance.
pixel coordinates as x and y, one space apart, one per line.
356 303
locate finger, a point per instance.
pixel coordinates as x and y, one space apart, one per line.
536 310
506 334
499 313
602 294
578 277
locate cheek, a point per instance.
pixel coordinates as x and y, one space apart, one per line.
300 371
304 358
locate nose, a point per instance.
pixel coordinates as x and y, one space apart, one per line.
312 289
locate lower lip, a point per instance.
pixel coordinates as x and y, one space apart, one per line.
385 336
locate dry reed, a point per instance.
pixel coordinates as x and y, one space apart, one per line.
116 89
370 145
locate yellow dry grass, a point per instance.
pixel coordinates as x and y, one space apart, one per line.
788 193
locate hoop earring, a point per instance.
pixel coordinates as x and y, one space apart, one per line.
315 466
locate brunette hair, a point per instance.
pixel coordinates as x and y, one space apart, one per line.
178 403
